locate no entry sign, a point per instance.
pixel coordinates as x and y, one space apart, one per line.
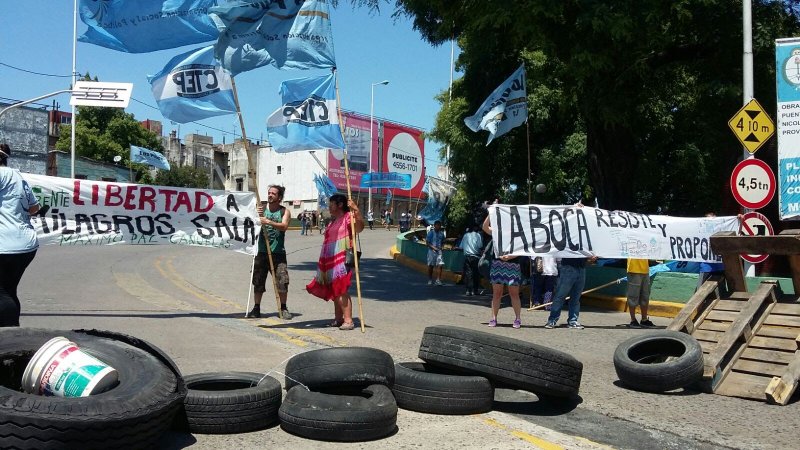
753 183
755 224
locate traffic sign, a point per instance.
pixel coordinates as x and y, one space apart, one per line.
752 126
95 93
753 183
755 224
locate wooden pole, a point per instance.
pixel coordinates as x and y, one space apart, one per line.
251 175
597 288
528 138
352 222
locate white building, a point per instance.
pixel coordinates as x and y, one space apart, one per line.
294 171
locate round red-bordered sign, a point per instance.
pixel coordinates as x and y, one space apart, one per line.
755 224
753 183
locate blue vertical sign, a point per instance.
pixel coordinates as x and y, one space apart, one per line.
787 74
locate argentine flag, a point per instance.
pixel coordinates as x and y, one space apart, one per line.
193 86
308 118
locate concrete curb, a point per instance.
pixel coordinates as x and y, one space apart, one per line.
658 309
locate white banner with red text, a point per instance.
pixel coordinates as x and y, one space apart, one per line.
78 213
571 232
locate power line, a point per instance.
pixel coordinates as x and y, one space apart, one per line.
33 72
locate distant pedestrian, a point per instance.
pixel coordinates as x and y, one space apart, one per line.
435 241
472 246
371 219
18 243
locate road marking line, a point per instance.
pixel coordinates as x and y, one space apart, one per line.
539 436
175 278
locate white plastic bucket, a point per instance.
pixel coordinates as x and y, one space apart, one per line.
59 368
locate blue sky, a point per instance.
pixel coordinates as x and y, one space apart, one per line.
37 37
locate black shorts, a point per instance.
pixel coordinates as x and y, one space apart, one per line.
261 270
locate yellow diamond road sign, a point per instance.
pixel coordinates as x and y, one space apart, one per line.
752 126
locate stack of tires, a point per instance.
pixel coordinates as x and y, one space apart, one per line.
133 414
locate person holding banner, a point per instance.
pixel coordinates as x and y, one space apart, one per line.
274 223
333 277
18 244
505 271
639 291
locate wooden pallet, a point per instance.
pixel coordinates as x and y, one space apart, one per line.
750 341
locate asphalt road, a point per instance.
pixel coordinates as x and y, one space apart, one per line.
191 301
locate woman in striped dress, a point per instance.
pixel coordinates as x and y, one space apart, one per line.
333 279
505 271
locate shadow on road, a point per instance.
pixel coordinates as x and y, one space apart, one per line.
525 403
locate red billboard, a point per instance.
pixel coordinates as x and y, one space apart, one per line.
357 140
404 152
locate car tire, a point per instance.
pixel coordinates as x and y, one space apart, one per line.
230 402
352 415
659 361
133 414
505 361
425 388
340 367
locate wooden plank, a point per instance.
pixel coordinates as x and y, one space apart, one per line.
709 325
708 336
730 305
739 334
701 301
734 271
729 243
780 390
783 321
743 385
739 296
788 345
759 368
789 309
757 354
728 316
778 332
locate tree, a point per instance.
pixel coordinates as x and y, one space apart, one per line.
184 176
641 90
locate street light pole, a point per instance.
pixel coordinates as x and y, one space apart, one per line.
371 115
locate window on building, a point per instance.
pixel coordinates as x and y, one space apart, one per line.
279 170
240 184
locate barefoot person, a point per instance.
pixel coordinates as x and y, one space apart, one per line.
333 278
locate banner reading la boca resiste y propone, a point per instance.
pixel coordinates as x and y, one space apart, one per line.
88 212
572 232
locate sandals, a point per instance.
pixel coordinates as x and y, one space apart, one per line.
347 326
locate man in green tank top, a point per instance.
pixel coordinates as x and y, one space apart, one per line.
274 223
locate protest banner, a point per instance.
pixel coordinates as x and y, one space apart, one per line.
571 232
86 212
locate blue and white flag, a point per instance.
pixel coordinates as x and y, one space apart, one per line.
325 189
193 86
505 109
285 34
308 119
147 25
386 180
149 157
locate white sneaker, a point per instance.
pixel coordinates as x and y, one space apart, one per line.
438 282
430 282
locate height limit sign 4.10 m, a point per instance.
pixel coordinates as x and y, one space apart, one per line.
753 183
